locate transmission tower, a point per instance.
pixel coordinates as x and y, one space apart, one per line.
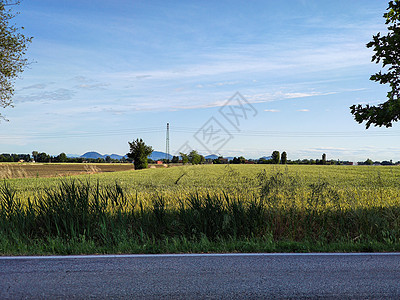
167 144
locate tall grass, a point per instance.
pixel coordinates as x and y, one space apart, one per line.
282 210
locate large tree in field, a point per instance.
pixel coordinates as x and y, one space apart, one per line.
284 158
323 161
13 45
185 157
139 152
276 157
195 158
387 50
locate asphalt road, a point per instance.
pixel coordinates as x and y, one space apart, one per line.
240 276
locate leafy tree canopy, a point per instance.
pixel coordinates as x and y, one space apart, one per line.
387 50
185 158
195 158
13 45
368 162
276 157
139 152
284 158
238 160
323 159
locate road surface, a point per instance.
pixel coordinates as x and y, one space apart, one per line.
226 276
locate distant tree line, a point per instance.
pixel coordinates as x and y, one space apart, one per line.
276 158
42 157
5 157
193 158
369 162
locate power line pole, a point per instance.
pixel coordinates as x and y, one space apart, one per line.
167 145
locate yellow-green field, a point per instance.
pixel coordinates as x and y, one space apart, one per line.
363 186
203 208
30 170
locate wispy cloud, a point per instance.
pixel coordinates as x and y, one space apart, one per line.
318 149
60 94
208 79
288 62
303 110
272 110
306 94
142 76
95 86
39 86
282 95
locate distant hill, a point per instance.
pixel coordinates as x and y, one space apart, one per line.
96 155
92 154
158 155
115 156
266 157
212 156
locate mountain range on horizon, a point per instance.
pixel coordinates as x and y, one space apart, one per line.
156 155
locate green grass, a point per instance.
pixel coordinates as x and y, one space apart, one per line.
212 208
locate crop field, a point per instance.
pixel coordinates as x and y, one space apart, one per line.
24 170
362 186
204 208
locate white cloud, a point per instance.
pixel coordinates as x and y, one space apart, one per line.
318 149
272 110
142 76
95 86
39 86
282 95
303 110
305 94
60 94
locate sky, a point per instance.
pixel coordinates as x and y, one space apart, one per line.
230 77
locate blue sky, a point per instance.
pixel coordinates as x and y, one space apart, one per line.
107 72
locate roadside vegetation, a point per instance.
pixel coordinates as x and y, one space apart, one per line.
209 208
